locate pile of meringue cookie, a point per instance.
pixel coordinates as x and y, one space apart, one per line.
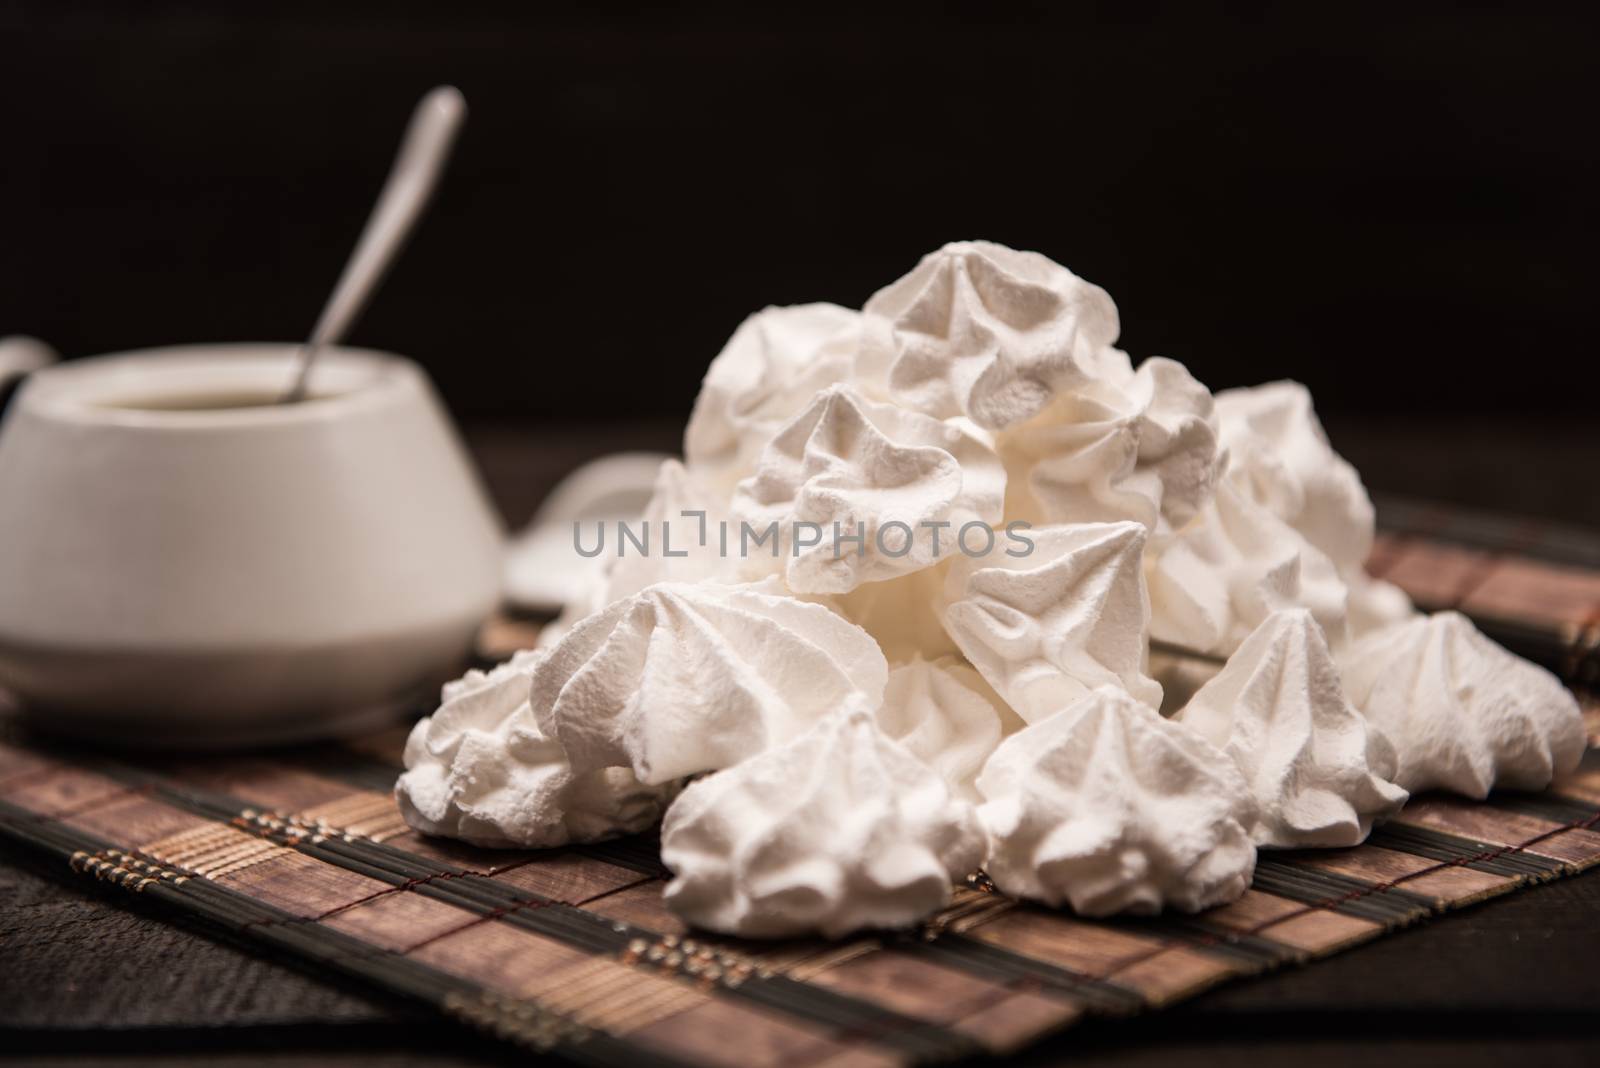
833 736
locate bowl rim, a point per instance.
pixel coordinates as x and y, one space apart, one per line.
94 391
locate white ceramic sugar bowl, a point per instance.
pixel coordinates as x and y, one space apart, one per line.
184 563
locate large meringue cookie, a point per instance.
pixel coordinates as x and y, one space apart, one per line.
1145 450
768 371
1280 458
947 716
679 679
1463 713
480 769
1319 773
981 330
837 830
1114 809
871 471
1047 627
1236 563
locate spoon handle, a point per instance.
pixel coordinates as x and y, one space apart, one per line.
411 181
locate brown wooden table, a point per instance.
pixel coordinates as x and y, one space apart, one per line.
86 980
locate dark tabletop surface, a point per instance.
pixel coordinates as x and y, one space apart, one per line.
83 979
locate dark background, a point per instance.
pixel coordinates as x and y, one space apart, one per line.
1396 207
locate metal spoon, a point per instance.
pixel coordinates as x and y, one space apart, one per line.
411 181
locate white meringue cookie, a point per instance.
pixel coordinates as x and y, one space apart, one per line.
1236 563
498 681
850 464
947 717
679 679
1114 809
1047 627
479 769
837 830
1463 713
1280 458
901 614
981 330
768 371
1115 366
1319 773
1143 448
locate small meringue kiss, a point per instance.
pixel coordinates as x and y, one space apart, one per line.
984 331
1047 626
1280 458
1114 809
768 371
679 679
1463 713
479 769
849 467
1141 448
1235 564
837 830
1319 773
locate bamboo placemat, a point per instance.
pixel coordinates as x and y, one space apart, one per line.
1532 586
571 950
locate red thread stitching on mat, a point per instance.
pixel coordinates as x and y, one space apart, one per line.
602 895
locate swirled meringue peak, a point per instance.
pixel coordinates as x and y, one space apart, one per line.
1318 772
1236 563
947 716
679 679
1464 714
837 830
1280 458
481 770
1142 447
981 330
1113 809
1046 627
891 478
768 371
